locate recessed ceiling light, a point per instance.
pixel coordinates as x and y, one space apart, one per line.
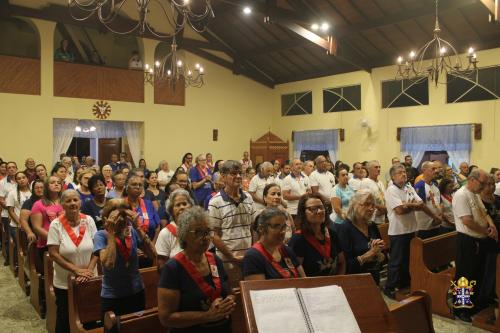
314 26
247 10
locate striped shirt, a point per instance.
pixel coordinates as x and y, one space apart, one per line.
234 220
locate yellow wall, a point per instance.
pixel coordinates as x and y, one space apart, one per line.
238 107
382 144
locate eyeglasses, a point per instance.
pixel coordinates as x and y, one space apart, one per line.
203 233
236 173
277 227
316 209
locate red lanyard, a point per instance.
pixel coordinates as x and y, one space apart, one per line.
172 228
203 173
124 249
323 249
69 230
144 212
205 287
286 274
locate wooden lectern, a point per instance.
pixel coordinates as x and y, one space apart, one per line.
363 295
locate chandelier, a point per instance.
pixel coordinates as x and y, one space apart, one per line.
443 57
173 70
196 12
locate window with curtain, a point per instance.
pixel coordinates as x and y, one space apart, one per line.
316 140
480 85
296 104
342 99
401 93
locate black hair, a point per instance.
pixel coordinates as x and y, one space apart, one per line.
185 157
56 168
216 166
301 212
93 182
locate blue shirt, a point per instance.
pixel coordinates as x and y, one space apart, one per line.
154 219
314 263
255 263
120 281
175 277
345 195
90 208
202 192
84 197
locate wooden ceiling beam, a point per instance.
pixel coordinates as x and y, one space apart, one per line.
493 7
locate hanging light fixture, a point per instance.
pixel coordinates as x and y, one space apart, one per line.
443 57
197 13
174 69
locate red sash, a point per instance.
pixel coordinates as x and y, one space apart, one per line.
172 228
144 211
124 249
325 249
291 273
203 173
195 275
69 230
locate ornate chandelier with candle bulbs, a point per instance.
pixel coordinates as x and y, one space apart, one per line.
436 59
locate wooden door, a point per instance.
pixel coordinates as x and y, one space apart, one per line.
107 147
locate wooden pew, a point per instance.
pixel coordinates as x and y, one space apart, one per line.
413 314
23 261
37 296
488 319
425 257
13 255
84 299
50 296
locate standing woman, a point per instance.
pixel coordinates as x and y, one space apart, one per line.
116 246
119 180
341 196
446 188
272 198
187 162
269 258
153 192
201 179
107 173
83 184
60 171
167 244
317 248
41 172
14 201
193 293
164 174
24 215
70 242
181 179
210 162
143 167
93 207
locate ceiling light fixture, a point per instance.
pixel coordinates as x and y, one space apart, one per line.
443 58
315 26
247 10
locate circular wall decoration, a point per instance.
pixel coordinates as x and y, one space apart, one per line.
101 109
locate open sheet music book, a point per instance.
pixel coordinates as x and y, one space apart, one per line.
303 310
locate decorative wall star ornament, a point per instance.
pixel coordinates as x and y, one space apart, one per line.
101 109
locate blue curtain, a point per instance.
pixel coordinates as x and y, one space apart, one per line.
318 140
455 139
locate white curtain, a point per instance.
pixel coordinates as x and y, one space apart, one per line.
457 157
317 140
133 133
64 130
104 129
417 157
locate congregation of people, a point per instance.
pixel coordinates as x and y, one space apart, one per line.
206 225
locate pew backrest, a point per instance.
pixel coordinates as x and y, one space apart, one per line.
413 314
436 251
383 229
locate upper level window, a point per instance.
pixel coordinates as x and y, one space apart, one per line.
480 85
342 99
401 93
296 104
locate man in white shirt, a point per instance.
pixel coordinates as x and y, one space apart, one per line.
357 173
6 185
322 181
294 186
308 168
377 188
474 227
402 203
258 182
427 190
395 160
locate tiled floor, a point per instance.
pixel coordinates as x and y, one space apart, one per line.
18 316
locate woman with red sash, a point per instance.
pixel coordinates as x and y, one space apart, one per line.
193 294
167 245
201 179
116 246
70 241
317 247
269 258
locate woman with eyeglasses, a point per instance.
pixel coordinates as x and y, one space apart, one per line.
116 246
269 258
193 294
273 198
360 238
317 247
201 179
187 162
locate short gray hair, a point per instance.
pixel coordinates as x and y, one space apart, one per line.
187 217
229 166
262 220
69 192
265 164
425 165
171 199
371 163
476 174
358 198
394 168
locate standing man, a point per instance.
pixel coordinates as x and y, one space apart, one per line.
411 172
377 189
474 226
395 160
30 169
114 164
6 185
463 174
294 186
258 182
231 214
308 168
246 162
357 173
427 190
322 180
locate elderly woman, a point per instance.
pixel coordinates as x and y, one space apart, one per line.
164 174
95 205
269 258
341 196
119 181
116 246
360 239
201 179
193 294
167 244
107 173
70 241
272 198
317 248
